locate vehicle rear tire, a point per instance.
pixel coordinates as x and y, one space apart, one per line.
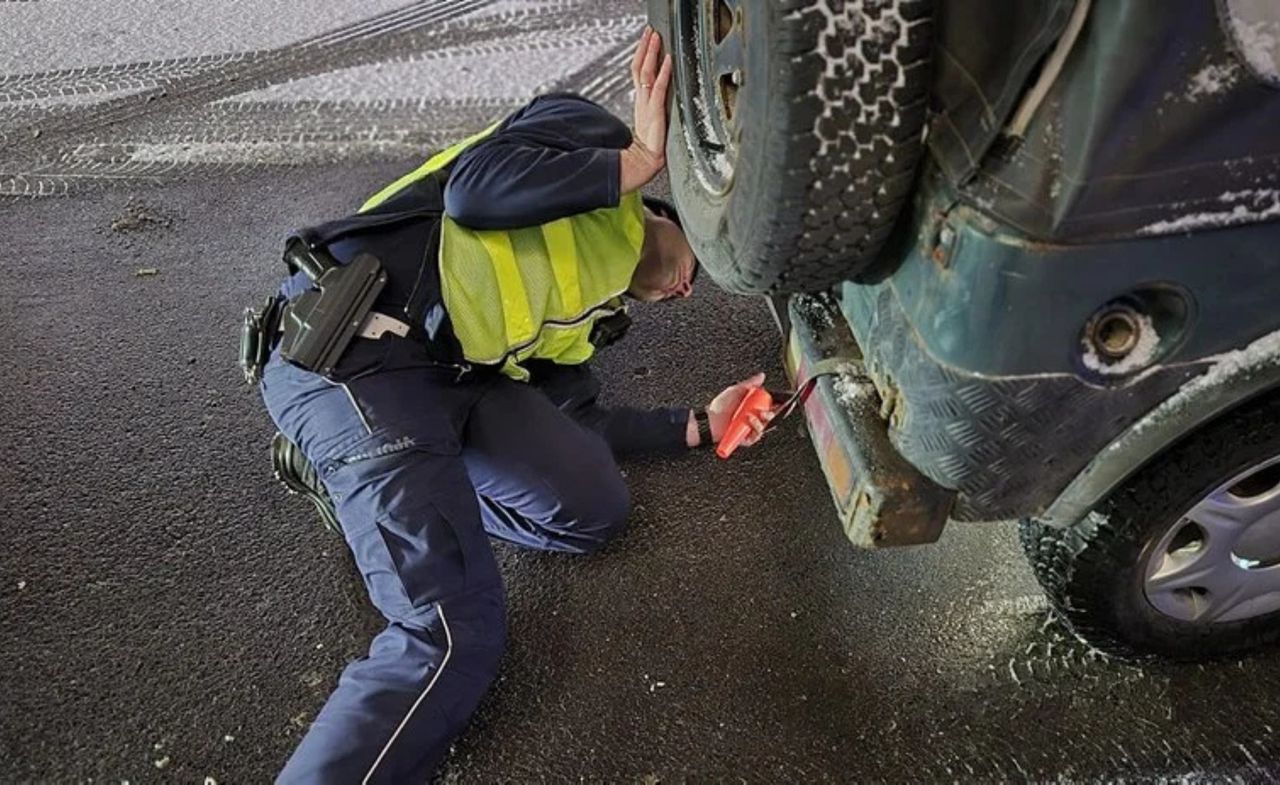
1153 569
796 132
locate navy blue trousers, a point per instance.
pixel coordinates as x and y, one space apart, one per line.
423 468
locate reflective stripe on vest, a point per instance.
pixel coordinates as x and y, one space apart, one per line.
533 292
536 292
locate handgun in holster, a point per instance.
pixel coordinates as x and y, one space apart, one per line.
320 323
317 326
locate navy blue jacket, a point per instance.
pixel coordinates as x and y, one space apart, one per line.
557 156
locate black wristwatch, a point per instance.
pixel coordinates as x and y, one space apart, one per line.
704 427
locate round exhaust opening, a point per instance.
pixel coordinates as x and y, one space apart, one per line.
1134 332
1116 332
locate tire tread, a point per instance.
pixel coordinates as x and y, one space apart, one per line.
840 167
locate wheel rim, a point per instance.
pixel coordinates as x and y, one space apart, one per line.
711 67
1221 561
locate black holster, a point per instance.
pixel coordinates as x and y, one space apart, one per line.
317 326
609 329
320 323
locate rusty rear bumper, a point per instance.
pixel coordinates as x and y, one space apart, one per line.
881 499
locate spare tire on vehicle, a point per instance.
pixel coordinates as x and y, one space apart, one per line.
796 129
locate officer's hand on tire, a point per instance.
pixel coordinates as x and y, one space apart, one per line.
720 411
646 156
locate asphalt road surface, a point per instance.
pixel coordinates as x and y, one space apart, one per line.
167 614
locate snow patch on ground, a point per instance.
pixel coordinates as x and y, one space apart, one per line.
1258 204
531 63
510 7
1022 605
1143 353
1196 778
40 37
73 99
266 152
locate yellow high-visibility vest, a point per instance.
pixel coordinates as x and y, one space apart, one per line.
534 292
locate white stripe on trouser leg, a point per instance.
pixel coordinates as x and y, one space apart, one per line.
448 638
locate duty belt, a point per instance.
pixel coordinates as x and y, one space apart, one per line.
315 329
317 326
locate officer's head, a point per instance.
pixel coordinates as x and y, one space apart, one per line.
667 266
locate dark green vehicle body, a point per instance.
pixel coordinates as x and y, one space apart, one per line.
1134 200
1149 177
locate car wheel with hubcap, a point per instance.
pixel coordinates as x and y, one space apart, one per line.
1183 560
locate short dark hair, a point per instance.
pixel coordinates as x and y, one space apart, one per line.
665 209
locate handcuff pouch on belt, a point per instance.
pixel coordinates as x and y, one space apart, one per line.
256 336
318 324
610 329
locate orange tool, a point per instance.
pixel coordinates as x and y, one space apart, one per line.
756 402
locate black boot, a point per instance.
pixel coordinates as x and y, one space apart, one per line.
298 475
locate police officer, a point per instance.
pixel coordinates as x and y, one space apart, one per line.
464 407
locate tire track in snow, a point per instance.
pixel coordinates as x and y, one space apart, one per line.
183 134
605 78
259 69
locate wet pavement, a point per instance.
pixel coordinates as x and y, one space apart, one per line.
168 615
